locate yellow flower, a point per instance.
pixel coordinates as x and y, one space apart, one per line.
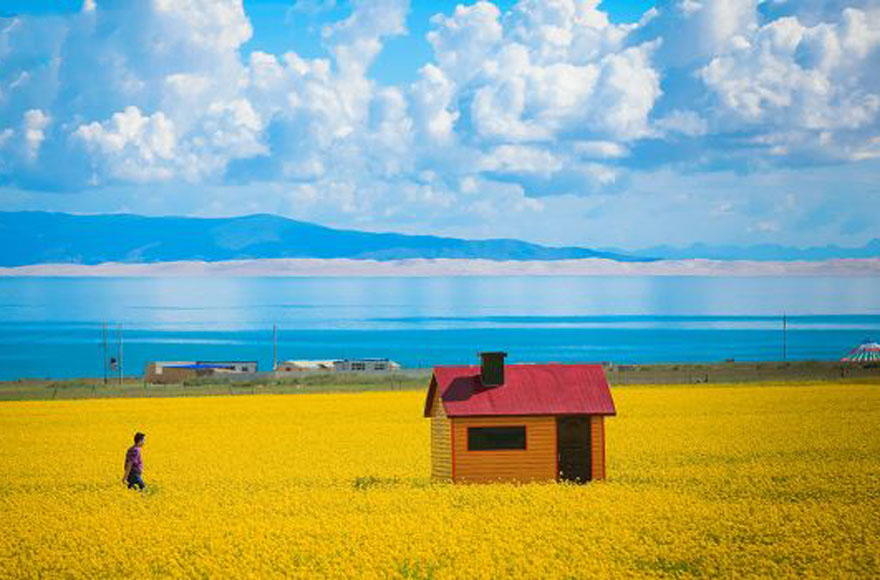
729 481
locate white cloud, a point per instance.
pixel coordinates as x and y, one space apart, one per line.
802 84
463 40
432 100
213 24
867 150
138 147
521 159
600 149
545 69
687 123
35 122
357 40
694 31
627 90
600 174
539 73
132 146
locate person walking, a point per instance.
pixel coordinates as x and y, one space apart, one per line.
134 464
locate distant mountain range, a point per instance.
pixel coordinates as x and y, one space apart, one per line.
761 252
28 238
33 237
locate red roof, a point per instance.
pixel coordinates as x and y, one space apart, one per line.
546 389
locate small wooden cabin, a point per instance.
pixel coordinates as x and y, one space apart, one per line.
521 422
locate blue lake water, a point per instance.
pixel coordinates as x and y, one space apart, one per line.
51 327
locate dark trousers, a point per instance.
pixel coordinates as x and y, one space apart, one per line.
135 481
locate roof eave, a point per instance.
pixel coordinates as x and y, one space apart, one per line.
547 414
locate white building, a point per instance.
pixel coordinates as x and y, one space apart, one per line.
369 365
357 365
293 366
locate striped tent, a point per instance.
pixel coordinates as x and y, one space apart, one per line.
868 352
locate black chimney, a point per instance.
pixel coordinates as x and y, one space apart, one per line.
492 368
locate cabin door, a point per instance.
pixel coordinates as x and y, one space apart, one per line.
573 448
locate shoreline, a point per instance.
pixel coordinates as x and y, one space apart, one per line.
768 373
446 267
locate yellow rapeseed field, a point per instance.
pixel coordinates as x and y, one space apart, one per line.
705 481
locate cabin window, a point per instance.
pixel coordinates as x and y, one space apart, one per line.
358 366
495 438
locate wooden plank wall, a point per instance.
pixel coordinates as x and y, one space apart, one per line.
597 439
536 462
441 444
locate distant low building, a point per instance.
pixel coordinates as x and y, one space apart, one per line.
356 365
369 365
179 371
295 366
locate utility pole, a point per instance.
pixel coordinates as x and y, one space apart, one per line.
104 348
784 338
274 348
119 350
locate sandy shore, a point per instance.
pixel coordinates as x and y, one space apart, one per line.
455 267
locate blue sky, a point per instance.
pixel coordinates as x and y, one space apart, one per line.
623 124
279 27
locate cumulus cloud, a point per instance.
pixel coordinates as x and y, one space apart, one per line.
133 146
808 89
544 69
696 30
464 39
546 99
35 121
356 41
535 82
804 77
687 123
125 82
521 159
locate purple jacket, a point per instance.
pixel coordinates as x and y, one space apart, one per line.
133 455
